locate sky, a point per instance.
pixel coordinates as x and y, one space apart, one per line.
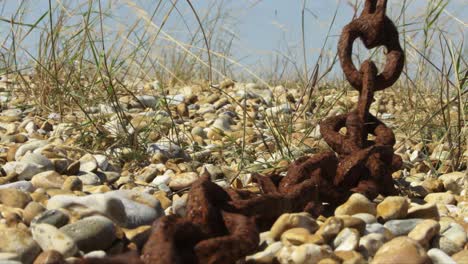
260 30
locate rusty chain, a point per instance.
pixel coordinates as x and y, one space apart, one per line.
223 225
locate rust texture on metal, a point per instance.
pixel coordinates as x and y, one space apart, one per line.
223 225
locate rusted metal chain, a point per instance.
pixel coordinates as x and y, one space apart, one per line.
222 225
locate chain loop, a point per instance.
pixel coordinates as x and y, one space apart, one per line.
375 29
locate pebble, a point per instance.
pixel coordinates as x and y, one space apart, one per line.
50 238
25 171
288 221
56 218
88 163
452 238
32 210
72 183
48 180
425 211
461 257
392 207
14 198
453 181
354 222
149 173
401 250
29 146
310 253
330 228
440 198
350 257
377 228
295 236
267 255
183 180
357 203
127 208
346 240
424 232
91 233
439 257
38 159
25 186
367 218
50 257
369 244
20 242
402 227
89 178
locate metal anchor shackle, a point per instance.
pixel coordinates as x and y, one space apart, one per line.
375 29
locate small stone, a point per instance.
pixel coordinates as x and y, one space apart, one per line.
439 257
138 235
353 222
56 218
368 218
461 257
440 198
330 228
20 242
402 227
60 165
9 258
148 173
48 180
29 147
424 232
377 228
88 163
452 238
295 236
50 238
73 168
346 240
25 171
309 254
350 257
163 199
179 204
266 256
369 244
50 257
14 198
432 185
426 211
24 186
102 162
72 183
127 208
401 250
453 181
288 221
91 233
183 180
38 159
32 210
99 254
357 203
89 178
392 207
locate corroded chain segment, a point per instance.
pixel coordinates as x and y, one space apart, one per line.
375 29
223 225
